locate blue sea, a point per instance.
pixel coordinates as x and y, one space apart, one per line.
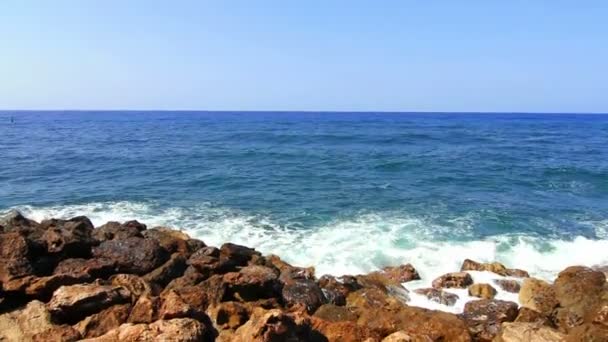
346 192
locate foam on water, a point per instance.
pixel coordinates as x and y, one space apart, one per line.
360 244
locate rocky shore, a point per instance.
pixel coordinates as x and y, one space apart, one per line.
65 280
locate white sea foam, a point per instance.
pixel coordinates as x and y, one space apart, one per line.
358 245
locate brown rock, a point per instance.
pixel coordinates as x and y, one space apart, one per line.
484 317
402 336
72 238
528 332
208 261
185 302
579 289
43 288
438 296
335 313
484 291
517 273
495 267
104 321
527 315
273 325
337 289
588 332
342 331
171 269
253 282
289 272
58 333
437 325
457 279
14 262
508 285
71 303
538 295
240 254
601 315
191 277
145 310
305 292
137 286
118 231
402 274
565 319
132 255
175 330
173 241
86 269
229 315
14 221
389 286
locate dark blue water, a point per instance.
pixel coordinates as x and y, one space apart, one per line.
289 176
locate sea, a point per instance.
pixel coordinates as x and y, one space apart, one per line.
346 192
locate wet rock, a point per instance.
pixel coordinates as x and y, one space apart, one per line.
528 332
171 269
389 286
402 274
579 289
305 292
495 267
132 255
252 283
173 241
14 221
71 303
229 315
289 272
337 289
538 295
273 325
70 238
484 291
527 315
517 273
438 296
176 330
484 317
450 280
508 285
239 254
117 231
104 321
335 313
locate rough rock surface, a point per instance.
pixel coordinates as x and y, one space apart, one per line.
480 290
484 317
455 279
438 296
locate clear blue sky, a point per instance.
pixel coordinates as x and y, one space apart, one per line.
537 56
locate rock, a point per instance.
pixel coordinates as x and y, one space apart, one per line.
337 289
305 292
71 303
14 261
22 324
175 330
14 221
252 283
335 313
450 280
190 277
42 288
135 285
342 331
71 238
273 325
484 291
402 274
601 315
508 285
239 254
438 296
117 231
173 241
484 317
171 269
190 301
402 336
104 321
369 298
579 289
495 267
132 255
208 261
422 323
538 295
528 332
565 319
527 315
145 310
379 281
229 315
59 333
517 273
289 272
601 268
86 269
588 332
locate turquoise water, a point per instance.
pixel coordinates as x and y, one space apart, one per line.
347 192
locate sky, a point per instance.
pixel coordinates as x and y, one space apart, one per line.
481 56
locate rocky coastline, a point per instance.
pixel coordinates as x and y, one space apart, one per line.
66 280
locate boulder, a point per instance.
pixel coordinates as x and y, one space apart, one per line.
402 274
72 303
58 333
70 238
528 332
342 331
208 261
527 315
450 280
337 289
579 289
517 273
173 241
389 286
14 261
171 269
304 292
494 267
484 317
43 287
480 290
438 296
22 324
104 321
190 277
241 255
273 325
135 285
145 310
117 231
289 272
229 315
538 295
14 221
132 255
252 283
190 301
508 285
335 313
175 330
588 332
402 336
86 269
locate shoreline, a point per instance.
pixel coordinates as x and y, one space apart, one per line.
123 281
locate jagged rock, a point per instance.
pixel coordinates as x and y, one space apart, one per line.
86 269
70 303
517 273
132 255
528 332
402 274
208 261
15 267
175 330
389 286
538 295
43 288
527 315
495 267
565 319
104 321
117 231
253 282
273 325
145 310
190 277
438 296
508 285
185 302
289 272
171 269
588 332
14 221
450 280
240 254
229 315
484 291
71 238
484 317
305 292
58 333
335 313
342 331
579 289
136 285
402 336
601 315
174 241
337 289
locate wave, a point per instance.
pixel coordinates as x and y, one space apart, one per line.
359 244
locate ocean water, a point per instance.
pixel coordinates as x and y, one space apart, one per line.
346 192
